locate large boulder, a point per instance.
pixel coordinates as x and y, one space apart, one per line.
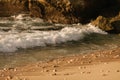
103 23
108 24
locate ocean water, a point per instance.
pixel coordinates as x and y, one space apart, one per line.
27 40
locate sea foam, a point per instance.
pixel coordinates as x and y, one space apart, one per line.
12 41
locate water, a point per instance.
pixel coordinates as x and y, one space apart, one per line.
22 42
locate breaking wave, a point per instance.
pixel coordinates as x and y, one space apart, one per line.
12 41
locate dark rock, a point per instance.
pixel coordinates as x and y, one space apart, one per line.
56 11
111 25
61 11
36 9
13 7
103 23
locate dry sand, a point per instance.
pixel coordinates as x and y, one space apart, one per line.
100 65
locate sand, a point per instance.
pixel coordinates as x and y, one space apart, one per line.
99 65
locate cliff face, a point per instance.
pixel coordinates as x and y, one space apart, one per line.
12 7
58 11
61 11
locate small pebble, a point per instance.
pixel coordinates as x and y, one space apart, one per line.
102 71
88 72
5 69
82 67
105 63
9 77
11 68
70 61
79 68
54 70
118 70
104 74
89 62
82 72
66 74
108 71
15 69
54 74
43 67
84 56
54 66
46 70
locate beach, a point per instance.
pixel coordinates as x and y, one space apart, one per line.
59 40
100 65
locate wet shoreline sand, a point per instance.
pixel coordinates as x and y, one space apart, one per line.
100 65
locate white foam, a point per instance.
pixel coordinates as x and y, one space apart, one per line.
11 42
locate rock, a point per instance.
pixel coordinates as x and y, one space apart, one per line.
9 77
66 74
54 66
36 8
13 7
111 25
70 61
54 70
60 11
82 72
104 74
57 11
88 72
118 71
103 23
54 74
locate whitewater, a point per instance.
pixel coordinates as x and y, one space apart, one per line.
14 40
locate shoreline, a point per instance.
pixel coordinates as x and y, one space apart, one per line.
100 65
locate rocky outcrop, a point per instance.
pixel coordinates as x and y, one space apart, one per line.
103 23
57 11
13 7
61 11
108 24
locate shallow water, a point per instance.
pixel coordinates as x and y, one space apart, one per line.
18 47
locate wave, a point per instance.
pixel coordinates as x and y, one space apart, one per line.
12 41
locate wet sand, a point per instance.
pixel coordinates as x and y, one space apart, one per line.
100 65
